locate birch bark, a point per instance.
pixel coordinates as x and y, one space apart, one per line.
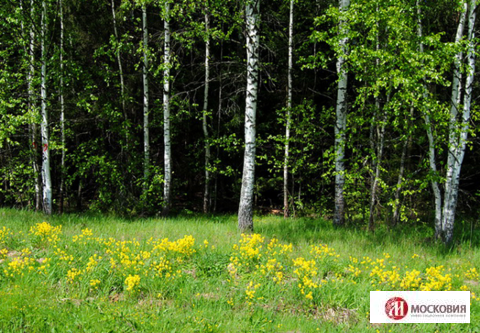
206 194
341 122
46 179
453 129
289 113
245 212
431 141
166 115
459 127
62 110
146 133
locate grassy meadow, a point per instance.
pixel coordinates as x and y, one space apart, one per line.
93 273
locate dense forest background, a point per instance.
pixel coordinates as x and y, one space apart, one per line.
75 73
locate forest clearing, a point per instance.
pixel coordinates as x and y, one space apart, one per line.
199 274
143 144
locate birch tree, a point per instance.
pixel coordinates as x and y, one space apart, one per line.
341 119
459 120
46 179
245 211
206 193
62 109
146 140
289 111
166 113
431 139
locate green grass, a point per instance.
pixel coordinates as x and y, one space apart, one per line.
208 290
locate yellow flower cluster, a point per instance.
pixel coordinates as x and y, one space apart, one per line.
250 291
72 275
84 237
411 280
18 266
354 270
306 271
322 251
95 283
435 280
388 277
132 281
3 253
250 246
92 262
472 274
46 232
184 246
5 233
255 258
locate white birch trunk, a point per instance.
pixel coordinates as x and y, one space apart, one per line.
289 113
146 135
46 180
245 211
449 203
459 129
341 122
431 142
206 194
62 110
166 115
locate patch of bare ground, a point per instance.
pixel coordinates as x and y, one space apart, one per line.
335 315
471 282
116 297
209 296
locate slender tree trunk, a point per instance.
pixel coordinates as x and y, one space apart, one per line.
379 155
341 123
398 188
32 109
220 102
374 145
245 211
166 115
289 113
119 61
146 139
431 143
206 194
47 182
458 128
62 111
